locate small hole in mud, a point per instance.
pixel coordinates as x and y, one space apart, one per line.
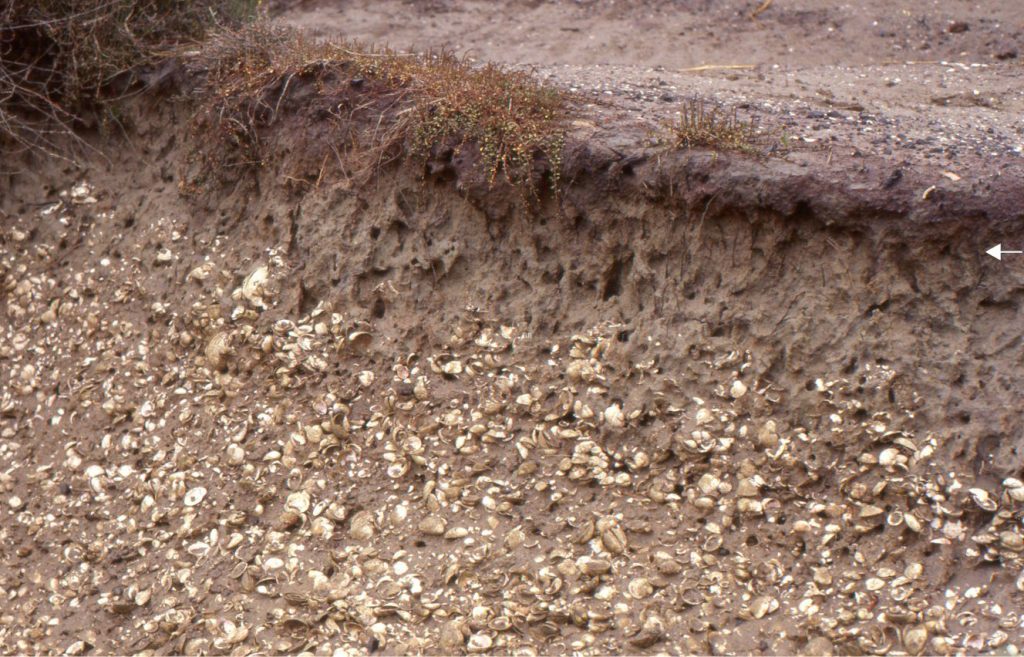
851 367
268 220
809 385
691 295
378 308
419 543
751 541
129 222
613 281
623 336
374 232
965 418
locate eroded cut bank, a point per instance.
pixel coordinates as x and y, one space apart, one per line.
693 403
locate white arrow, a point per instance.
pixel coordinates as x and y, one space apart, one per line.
997 252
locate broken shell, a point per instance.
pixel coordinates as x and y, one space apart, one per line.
195 496
336 512
298 501
359 340
591 566
738 389
398 469
479 643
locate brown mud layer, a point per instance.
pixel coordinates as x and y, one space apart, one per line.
696 402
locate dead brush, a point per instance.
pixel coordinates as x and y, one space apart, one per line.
60 59
361 107
702 126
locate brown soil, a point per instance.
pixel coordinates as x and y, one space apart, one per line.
699 403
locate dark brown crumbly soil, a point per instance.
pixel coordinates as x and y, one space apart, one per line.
700 402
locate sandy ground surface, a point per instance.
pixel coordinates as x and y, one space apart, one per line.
385 421
939 83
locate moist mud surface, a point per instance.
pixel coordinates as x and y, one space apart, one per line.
697 403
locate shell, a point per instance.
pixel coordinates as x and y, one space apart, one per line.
614 417
614 539
298 501
640 587
254 284
432 525
218 349
194 496
362 527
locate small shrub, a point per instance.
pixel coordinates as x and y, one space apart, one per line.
59 58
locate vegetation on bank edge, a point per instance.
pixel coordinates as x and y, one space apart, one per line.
701 126
62 60
381 104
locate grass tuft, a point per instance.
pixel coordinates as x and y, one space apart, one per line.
701 126
379 105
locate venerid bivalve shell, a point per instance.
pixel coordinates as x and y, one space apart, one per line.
218 350
983 499
254 285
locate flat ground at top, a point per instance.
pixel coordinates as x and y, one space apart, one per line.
938 83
